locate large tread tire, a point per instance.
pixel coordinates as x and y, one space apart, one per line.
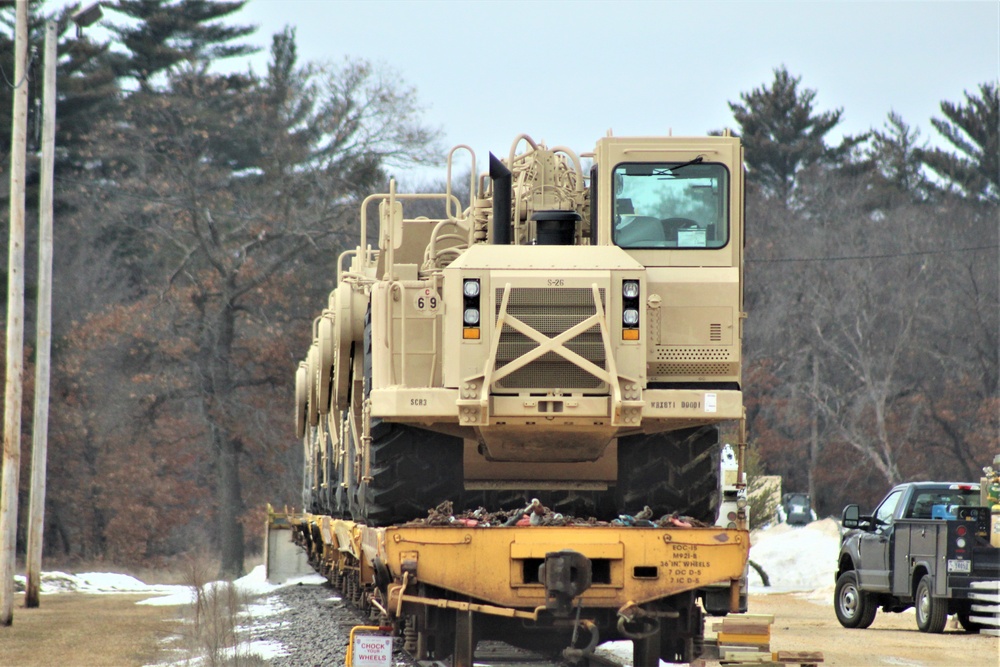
932 612
670 472
412 470
854 607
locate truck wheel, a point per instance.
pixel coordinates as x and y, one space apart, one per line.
932 612
854 607
671 472
970 626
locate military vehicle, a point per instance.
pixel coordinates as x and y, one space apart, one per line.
572 333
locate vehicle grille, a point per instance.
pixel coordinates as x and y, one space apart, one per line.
550 311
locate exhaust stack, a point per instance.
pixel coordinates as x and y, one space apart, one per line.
501 176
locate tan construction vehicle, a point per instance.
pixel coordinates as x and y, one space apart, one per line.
571 335
560 352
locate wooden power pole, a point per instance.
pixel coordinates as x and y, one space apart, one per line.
40 429
15 321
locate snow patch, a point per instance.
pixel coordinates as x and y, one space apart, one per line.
253 584
797 559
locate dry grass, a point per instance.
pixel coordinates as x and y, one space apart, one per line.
111 629
210 633
86 630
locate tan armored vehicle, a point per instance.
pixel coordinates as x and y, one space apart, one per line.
571 335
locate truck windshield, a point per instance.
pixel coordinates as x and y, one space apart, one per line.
671 205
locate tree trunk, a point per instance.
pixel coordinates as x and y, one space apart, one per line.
814 430
229 496
218 399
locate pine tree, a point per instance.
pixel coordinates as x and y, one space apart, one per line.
974 129
782 135
895 158
172 32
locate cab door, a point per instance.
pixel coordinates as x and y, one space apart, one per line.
875 546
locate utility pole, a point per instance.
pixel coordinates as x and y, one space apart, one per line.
40 429
15 321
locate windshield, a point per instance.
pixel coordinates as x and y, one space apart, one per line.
671 205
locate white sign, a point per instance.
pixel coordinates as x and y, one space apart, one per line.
371 651
710 404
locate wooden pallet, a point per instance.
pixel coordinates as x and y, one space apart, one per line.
772 659
745 639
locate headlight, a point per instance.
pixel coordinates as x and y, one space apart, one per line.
630 289
471 288
630 317
471 316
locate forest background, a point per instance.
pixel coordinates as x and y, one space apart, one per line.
199 216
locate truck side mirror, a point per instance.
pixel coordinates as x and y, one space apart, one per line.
851 517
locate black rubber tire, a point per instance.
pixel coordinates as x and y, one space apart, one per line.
412 471
932 612
671 472
854 607
970 626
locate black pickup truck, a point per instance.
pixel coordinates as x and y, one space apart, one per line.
923 547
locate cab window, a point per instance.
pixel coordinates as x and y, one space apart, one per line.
682 205
941 504
888 506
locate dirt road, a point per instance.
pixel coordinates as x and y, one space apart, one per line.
892 641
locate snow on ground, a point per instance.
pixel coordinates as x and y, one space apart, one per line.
251 585
797 559
94 583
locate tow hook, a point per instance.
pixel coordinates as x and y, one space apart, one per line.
635 622
566 575
576 655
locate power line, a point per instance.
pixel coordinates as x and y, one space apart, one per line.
27 71
917 253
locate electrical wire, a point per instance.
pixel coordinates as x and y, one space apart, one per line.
27 70
917 253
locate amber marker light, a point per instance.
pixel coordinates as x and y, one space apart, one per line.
470 334
630 334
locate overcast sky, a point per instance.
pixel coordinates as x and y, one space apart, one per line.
567 71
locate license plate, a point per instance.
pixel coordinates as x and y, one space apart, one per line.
960 566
